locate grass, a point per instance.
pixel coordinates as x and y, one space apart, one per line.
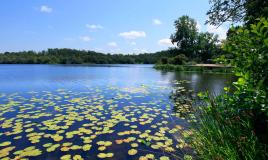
218 140
219 130
219 135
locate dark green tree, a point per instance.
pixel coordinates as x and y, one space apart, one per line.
164 60
179 59
72 56
206 46
185 35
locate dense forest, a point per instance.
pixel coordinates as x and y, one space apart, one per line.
72 56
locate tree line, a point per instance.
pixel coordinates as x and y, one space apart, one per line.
73 56
192 47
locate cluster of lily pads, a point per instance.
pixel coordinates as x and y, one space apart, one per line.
100 123
183 101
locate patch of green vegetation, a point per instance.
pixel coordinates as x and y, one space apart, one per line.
234 125
192 68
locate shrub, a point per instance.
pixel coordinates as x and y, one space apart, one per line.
178 60
235 125
164 60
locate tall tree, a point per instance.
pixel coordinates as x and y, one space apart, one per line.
206 46
236 11
185 35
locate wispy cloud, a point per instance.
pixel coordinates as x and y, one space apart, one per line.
140 50
112 44
99 49
116 51
133 34
221 31
156 22
94 26
165 42
46 9
85 38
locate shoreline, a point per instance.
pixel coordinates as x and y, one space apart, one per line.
202 68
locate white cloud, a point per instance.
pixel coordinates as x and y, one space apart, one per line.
116 51
133 34
112 44
157 22
133 43
221 31
85 38
165 42
45 9
94 26
140 50
99 49
198 26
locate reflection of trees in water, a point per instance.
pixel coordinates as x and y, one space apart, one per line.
200 82
183 101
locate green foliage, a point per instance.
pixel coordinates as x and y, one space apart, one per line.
217 135
164 60
178 60
194 45
187 157
192 68
71 56
249 48
236 11
185 36
206 46
234 125
223 10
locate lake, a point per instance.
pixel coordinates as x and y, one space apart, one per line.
95 111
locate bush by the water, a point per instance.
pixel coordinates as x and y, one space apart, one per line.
235 125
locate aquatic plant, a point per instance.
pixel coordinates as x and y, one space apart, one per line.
66 121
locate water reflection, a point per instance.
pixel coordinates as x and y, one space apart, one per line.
200 82
51 77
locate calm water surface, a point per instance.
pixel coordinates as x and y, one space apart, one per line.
21 78
93 111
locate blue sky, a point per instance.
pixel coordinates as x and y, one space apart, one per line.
114 26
